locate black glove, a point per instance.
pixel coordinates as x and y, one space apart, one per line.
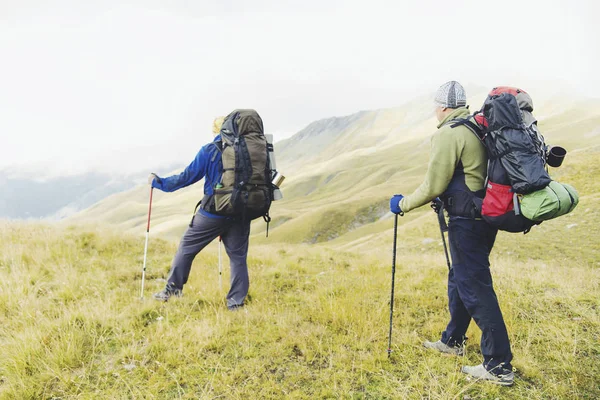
437 205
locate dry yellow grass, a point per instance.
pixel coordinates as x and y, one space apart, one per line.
315 325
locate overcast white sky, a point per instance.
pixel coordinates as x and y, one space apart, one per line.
127 85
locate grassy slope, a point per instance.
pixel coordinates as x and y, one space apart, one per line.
316 325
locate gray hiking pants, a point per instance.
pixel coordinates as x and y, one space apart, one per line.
200 233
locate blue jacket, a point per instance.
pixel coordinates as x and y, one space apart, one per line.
207 164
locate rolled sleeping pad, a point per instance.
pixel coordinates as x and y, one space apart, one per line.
554 200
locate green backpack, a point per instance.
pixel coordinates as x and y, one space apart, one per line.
554 200
245 189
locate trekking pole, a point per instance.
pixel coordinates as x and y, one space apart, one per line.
220 275
444 228
389 350
146 245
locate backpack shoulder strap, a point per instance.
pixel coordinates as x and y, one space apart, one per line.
219 147
470 125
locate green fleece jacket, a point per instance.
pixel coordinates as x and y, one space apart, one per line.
449 146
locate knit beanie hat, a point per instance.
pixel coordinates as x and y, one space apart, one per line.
451 95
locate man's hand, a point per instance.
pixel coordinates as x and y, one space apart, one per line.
151 178
395 204
437 205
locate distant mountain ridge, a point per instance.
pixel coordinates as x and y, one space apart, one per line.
317 134
340 172
56 198
358 134
24 197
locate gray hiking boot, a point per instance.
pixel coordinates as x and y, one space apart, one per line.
444 348
167 293
504 377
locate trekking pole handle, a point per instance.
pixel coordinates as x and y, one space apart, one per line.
444 228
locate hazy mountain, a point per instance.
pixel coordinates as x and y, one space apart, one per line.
341 172
56 197
24 196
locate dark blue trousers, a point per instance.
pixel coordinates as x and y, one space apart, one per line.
471 292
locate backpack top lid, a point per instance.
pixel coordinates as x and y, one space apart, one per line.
501 94
523 98
502 111
241 122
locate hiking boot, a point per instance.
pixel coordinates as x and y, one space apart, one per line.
504 377
235 307
444 348
167 293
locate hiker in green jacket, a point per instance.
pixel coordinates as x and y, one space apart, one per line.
456 174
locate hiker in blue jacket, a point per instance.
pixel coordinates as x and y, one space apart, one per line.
206 226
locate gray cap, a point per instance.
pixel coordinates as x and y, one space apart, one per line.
451 95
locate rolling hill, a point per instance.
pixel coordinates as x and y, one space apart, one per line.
341 172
